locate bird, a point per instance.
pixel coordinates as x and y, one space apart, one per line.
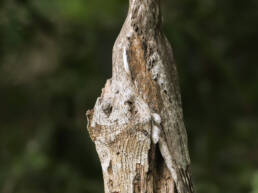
145 86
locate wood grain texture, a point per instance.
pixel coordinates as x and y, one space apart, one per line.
137 122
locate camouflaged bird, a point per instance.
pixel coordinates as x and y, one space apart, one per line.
140 109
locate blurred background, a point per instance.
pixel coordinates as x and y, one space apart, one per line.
55 56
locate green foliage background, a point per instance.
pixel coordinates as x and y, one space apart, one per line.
55 56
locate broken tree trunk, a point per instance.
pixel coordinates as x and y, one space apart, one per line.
137 122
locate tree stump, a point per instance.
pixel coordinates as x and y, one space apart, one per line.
137 122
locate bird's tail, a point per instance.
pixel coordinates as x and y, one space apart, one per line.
184 180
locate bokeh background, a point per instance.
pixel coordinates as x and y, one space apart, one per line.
55 56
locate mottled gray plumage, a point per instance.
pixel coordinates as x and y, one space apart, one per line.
144 17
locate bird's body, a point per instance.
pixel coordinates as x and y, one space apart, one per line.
153 75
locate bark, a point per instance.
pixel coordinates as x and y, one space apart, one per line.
137 122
